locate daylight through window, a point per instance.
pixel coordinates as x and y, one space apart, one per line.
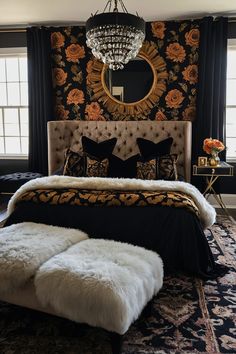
13 104
231 102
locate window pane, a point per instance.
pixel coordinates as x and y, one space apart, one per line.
231 60
11 115
13 94
231 92
12 130
25 145
12 145
24 94
12 69
24 129
231 147
2 146
3 95
1 123
231 122
13 105
2 70
23 69
24 115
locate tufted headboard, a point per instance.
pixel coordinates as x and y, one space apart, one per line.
67 134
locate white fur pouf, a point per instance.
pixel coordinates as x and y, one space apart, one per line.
100 282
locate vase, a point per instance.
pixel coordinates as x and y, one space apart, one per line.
214 159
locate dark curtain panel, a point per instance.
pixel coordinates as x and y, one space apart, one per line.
211 91
40 96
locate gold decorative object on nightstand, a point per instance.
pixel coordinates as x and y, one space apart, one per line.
212 174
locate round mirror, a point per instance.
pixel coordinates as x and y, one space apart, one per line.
139 90
131 84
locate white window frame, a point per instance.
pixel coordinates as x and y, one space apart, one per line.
12 52
231 44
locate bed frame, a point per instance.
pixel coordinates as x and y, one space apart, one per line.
67 134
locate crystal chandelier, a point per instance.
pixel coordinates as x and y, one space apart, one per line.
115 37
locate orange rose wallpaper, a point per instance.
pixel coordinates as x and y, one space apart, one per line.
177 43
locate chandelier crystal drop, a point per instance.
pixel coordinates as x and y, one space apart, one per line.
115 37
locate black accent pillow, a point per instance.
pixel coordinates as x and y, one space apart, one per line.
166 167
123 168
149 149
73 164
99 150
96 168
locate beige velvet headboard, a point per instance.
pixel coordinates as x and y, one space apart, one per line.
67 134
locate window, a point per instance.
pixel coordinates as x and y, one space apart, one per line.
231 102
13 103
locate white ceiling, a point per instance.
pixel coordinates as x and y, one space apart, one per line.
33 12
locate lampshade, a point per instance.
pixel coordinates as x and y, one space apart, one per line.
115 37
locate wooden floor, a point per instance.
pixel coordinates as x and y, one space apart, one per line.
4 201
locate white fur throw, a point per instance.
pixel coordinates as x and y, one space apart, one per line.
26 246
100 282
207 212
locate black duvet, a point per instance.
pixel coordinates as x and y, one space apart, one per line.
176 234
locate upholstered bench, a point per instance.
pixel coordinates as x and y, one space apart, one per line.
11 182
102 283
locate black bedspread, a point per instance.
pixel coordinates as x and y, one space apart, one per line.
175 234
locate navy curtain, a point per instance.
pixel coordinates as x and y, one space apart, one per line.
40 96
211 90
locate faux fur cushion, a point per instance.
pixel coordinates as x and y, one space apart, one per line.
26 246
100 150
96 168
74 164
149 149
100 282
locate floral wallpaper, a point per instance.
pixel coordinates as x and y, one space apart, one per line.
177 42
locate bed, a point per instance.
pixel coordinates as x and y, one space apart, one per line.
176 233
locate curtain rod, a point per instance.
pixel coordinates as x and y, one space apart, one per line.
12 30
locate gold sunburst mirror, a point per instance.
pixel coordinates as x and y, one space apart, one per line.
123 108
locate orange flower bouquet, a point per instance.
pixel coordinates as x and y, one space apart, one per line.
213 147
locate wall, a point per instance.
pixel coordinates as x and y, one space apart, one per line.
177 44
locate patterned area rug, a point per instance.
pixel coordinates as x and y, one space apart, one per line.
188 316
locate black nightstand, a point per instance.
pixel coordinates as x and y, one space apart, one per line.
212 174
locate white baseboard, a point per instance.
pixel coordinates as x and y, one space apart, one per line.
228 199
